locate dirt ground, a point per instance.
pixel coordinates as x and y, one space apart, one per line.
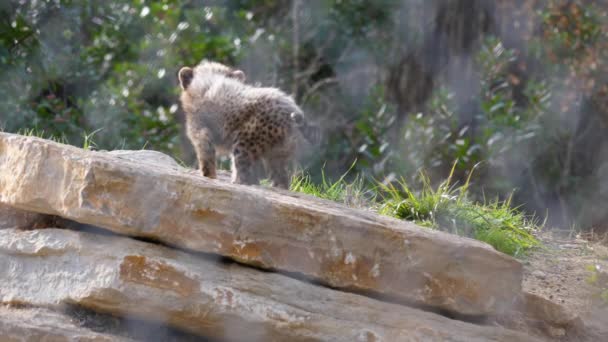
572 271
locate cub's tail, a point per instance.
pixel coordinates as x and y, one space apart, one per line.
311 132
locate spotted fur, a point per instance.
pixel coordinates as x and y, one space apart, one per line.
224 115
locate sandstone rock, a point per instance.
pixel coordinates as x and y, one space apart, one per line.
540 308
35 324
273 229
542 317
553 316
131 278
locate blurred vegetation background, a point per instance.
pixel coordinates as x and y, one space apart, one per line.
516 87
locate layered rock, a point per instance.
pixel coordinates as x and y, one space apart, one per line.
129 278
155 198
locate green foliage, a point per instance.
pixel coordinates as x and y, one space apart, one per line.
76 67
448 207
571 28
372 129
494 133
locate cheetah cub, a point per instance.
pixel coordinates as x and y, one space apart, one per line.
224 115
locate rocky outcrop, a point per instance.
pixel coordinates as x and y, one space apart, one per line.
125 277
155 198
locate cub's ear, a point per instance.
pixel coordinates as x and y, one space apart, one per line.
185 76
239 75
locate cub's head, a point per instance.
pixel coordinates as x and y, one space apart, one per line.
207 69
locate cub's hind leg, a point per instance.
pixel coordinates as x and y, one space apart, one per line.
277 167
243 162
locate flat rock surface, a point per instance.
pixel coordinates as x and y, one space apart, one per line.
151 197
200 295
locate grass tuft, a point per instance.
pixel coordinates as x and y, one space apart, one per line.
40 133
87 140
448 207
351 193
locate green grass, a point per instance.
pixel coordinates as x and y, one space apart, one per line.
351 193
40 133
446 207
87 138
